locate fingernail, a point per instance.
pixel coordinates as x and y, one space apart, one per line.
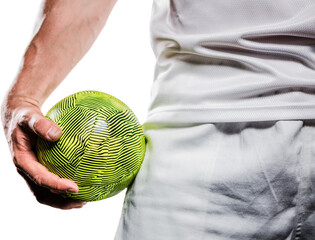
53 133
73 190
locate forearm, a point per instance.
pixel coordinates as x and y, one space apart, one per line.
68 30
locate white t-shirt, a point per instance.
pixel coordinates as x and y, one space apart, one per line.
233 60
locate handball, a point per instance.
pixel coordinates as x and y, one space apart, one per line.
101 148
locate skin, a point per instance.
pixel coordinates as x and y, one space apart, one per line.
66 32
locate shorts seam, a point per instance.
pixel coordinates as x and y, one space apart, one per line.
302 192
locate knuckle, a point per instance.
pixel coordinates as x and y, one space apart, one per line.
17 162
34 123
27 118
38 180
58 185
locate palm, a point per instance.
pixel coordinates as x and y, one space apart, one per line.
22 131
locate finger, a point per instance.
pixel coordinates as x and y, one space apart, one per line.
44 196
44 127
57 201
26 160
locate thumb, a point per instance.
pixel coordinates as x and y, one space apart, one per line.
44 127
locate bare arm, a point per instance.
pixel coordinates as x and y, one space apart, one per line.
68 30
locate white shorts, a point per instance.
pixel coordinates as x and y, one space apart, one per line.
223 181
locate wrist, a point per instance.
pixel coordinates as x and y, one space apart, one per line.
16 104
26 90
17 98
14 108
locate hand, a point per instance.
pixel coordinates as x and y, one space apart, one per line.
23 122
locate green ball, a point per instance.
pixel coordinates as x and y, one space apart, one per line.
101 148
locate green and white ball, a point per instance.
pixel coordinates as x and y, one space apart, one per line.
101 148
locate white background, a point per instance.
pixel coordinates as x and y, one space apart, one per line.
120 63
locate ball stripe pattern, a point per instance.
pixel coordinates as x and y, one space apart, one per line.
101 148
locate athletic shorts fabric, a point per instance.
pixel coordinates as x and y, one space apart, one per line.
224 181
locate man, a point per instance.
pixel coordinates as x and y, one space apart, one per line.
230 152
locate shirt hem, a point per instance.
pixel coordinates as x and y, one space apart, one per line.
203 115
